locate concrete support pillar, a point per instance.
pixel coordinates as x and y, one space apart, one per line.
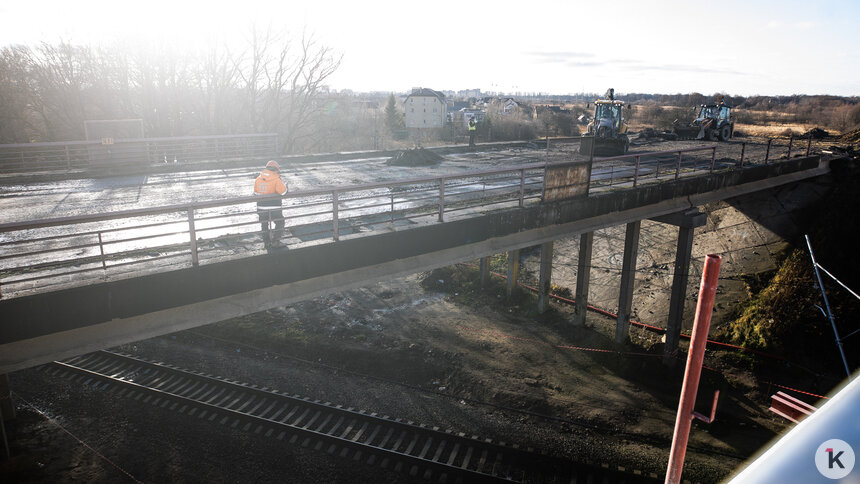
6 398
583 277
513 270
545 276
687 223
628 276
485 271
679 293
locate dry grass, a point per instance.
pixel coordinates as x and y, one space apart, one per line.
773 130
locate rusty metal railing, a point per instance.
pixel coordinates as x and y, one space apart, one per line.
110 153
47 254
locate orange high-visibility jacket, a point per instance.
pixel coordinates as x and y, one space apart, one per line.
269 183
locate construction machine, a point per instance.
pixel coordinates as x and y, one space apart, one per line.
714 122
606 134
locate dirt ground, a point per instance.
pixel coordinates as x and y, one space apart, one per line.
437 349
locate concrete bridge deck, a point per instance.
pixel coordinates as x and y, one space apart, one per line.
42 326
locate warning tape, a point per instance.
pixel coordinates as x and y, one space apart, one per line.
564 347
656 329
798 391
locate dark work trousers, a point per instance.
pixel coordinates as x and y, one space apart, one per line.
471 138
269 215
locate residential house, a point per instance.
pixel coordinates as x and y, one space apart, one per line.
425 108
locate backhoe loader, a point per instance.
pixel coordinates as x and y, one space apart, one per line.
606 134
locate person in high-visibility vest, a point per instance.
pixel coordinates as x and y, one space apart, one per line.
269 211
473 127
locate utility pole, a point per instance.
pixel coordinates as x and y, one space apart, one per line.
827 305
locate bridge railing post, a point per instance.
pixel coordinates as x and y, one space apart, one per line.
522 185
713 158
743 149
808 145
790 142
678 166
334 220
767 153
441 199
192 233
636 171
102 251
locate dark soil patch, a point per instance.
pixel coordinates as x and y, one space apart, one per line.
415 157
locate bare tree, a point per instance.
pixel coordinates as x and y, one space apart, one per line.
18 124
62 73
283 81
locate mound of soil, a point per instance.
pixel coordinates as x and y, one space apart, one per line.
850 137
815 133
415 157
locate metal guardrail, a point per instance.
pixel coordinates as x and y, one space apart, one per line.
51 253
659 165
84 249
110 153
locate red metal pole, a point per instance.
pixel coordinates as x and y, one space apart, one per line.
699 339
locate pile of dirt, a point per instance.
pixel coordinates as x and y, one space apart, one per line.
850 137
651 133
816 133
415 157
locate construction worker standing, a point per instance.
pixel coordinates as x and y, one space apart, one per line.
473 127
269 183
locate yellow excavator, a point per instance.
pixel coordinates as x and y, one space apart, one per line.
713 123
606 134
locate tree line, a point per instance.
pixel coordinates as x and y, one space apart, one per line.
273 84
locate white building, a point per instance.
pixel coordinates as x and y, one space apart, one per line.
425 108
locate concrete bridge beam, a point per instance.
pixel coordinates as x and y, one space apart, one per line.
583 277
485 271
513 270
628 277
687 222
7 409
546 250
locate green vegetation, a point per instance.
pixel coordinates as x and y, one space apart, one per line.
785 314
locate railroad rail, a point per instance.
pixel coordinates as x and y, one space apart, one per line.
44 255
417 450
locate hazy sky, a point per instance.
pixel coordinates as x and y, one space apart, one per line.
738 47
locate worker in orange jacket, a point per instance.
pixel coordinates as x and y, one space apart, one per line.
269 183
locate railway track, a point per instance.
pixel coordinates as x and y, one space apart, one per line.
416 450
